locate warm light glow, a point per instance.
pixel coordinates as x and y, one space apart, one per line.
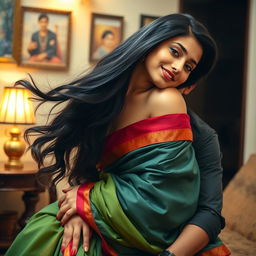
66 1
15 107
71 4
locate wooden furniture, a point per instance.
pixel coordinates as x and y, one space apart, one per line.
24 180
239 210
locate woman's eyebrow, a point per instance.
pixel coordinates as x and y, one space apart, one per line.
185 51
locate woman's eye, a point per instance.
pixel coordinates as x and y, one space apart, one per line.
174 52
188 67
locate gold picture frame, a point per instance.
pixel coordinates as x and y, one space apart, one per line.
146 19
9 18
44 38
106 34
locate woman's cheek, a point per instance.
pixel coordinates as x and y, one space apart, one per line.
184 78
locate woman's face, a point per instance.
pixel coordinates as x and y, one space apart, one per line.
171 62
109 41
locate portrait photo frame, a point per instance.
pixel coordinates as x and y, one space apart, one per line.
106 34
146 19
9 18
44 38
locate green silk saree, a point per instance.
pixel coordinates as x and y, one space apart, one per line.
148 191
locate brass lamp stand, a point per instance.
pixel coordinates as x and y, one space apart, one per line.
15 108
14 148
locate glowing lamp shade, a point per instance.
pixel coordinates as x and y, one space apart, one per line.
15 108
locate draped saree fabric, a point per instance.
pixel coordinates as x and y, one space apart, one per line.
148 191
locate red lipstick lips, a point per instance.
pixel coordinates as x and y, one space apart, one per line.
168 75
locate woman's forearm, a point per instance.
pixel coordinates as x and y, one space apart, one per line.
191 240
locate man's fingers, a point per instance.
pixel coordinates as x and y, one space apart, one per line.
67 236
72 234
69 213
86 237
76 238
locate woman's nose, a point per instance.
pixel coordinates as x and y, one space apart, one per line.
177 66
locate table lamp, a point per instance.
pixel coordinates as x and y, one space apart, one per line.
16 109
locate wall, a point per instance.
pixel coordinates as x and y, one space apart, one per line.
81 10
250 119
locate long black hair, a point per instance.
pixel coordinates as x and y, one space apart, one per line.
76 135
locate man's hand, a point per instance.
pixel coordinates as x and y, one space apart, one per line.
72 233
42 56
32 46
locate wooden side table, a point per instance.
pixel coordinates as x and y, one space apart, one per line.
24 180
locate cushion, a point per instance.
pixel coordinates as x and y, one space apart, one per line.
239 201
237 243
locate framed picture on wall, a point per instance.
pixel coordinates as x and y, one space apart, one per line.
9 12
44 38
146 19
106 35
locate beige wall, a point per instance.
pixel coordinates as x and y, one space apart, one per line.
130 9
81 10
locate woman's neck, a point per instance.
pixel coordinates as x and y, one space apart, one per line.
139 81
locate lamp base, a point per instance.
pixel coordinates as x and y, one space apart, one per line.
13 164
14 149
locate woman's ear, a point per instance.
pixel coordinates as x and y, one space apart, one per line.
188 89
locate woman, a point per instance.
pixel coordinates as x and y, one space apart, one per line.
107 45
126 121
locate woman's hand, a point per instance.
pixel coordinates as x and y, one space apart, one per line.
72 231
67 204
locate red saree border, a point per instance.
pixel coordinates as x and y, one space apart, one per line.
85 211
119 150
221 250
148 125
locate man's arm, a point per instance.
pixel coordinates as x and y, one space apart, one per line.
51 45
33 44
207 222
208 155
191 240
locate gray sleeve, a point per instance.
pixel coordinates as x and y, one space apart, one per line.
208 215
51 48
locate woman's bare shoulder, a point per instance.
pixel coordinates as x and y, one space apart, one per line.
166 101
